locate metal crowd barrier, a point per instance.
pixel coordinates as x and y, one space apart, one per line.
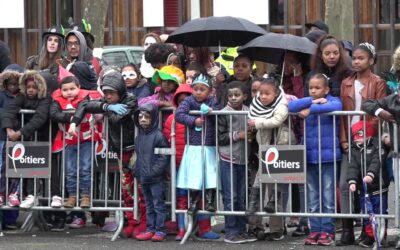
288 212
102 200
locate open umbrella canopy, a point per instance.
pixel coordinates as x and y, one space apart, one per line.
271 47
214 31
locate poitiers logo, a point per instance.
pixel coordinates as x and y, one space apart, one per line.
17 153
271 156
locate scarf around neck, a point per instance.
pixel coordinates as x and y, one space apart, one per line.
259 110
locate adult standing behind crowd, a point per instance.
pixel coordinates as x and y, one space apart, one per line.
329 59
85 28
4 56
242 67
51 50
146 67
78 60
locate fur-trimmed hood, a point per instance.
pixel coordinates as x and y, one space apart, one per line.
396 59
8 74
39 80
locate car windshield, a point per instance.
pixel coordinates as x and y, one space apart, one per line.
118 58
137 56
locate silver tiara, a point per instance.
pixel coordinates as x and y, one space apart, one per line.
370 47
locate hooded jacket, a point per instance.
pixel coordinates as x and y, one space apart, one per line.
39 121
372 165
84 52
115 121
150 167
85 74
5 96
179 127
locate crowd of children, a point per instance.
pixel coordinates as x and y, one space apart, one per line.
211 151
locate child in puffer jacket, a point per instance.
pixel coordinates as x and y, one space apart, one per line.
322 148
150 170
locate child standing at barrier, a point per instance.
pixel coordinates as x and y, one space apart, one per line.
268 111
232 130
9 89
115 92
71 96
321 145
198 168
150 169
169 77
32 96
363 85
364 173
181 93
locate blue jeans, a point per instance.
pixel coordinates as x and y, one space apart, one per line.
323 224
234 224
71 167
154 197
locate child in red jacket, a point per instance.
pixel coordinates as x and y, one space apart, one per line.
181 93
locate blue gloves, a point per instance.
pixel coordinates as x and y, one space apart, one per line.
204 108
118 108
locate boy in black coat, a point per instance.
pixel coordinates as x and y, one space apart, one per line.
150 170
366 167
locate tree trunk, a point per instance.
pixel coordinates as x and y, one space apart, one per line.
95 12
339 18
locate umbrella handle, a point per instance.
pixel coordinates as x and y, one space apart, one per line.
283 69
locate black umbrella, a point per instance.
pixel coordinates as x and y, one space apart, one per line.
271 47
216 31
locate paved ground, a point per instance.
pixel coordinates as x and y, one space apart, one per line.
92 238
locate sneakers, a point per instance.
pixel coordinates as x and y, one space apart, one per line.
28 202
258 233
312 239
145 236
180 235
326 239
158 237
367 242
56 202
275 236
13 200
58 225
234 239
77 223
301 231
248 237
210 235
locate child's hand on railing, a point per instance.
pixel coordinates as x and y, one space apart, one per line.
320 101
72 129
199 122
251 123
118 108
385 115
304 113
367 179
13 135
352 187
